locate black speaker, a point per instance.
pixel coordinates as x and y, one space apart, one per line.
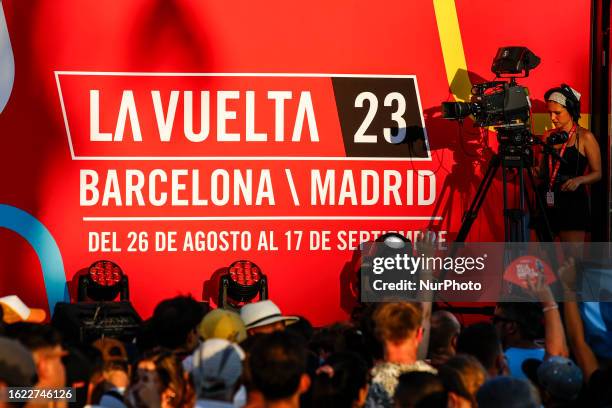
86 322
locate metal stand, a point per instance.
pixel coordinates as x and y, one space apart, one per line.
516 227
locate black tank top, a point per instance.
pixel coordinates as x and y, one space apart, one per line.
575 166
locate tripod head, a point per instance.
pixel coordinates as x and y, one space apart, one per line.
516 146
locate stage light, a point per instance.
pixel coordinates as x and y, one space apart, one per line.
104 281
97 312
105 273
241 284
394 240
84 322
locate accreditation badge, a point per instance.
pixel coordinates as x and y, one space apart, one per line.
550 198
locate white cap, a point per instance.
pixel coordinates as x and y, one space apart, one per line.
216 367
16 311
263 313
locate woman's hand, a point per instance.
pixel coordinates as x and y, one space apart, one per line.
572 184
538 286
567 274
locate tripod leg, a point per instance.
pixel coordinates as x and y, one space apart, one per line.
516 218
544 232
472 212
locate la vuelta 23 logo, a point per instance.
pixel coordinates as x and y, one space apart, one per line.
15 219
39 237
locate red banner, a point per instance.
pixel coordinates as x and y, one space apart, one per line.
174 138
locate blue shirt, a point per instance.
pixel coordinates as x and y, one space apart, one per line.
516 356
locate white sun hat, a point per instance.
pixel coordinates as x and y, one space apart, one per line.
263 313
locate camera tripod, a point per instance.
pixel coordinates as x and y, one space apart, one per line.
514 153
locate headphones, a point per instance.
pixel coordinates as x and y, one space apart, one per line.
572 104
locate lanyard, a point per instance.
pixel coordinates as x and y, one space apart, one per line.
558 165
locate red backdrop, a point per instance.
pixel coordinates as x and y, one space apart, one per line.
40 175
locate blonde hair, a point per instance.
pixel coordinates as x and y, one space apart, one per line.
397 321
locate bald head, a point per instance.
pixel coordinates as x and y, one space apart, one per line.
444 331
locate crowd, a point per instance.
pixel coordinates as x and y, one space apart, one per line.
397 354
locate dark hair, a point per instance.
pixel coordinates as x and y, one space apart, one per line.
414 386
302 327
528 317
33 335
173 320
463 375
396 321
572 103
277 362
171 375
340 337
341 387
481 341
79 370
507 392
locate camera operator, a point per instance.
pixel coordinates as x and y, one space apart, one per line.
563 186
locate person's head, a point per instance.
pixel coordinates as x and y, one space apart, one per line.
340 337
111 349
563 104
462 376
45 343
217 367
415 386
445 330
482 341
17 368
115 368
174 323
341 382
302 327
398 326
558 379
222 324
79 370
507 392
518 322
264 317
158 380
277 365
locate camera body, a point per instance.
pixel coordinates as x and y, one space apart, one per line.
504 105
496 103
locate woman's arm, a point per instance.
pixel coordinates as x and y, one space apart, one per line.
554 336
573 322
591 150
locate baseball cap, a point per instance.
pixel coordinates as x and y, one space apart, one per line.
17 367
111 349
216 366
222 324
559 376
263 313
16 311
